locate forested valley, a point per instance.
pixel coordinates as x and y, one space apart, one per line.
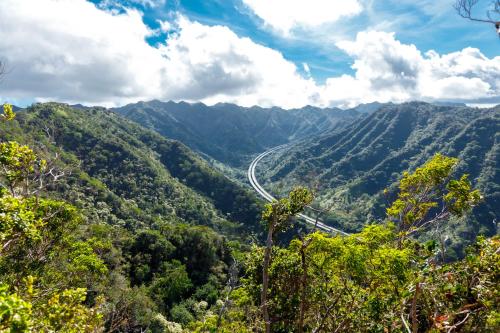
107 226
249 166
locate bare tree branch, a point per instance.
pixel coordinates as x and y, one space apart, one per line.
465 9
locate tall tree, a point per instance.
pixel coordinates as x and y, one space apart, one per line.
277 215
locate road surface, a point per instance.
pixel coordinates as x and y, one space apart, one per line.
266 195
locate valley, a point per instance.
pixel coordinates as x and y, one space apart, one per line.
170 228
352 167
347 156
313 222
231 134
249 166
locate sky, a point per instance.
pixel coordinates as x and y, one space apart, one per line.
287 53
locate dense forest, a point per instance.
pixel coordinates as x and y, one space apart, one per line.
107 226
141 208
354 187
129 176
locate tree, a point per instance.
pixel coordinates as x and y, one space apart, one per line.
171 285
231 284
8 113
429 196
23 173
64 311
465 9
463 296
277 215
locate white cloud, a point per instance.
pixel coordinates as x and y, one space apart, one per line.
72 51
125 3
214 64
79 53
165 26
52 52
285 15
387 70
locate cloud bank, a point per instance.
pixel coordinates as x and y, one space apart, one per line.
387 70
71 51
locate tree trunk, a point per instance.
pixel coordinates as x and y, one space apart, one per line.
265 278
303 282
231 284
414 321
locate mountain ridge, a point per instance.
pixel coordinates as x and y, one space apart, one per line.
230 133
355 164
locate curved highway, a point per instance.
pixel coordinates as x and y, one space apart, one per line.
266 195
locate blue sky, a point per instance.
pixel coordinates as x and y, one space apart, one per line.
430 25
267 52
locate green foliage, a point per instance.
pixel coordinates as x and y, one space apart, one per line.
15 313
424 190
160 325
460 198
180 314
209 324
18 221
8 113
148 253
227 132
63 311
372 281
366 283
352 282
105 152
83 261
34 234
18 162
23 172
66 312
202 250
171 286
32 230
126 182
278 213
463 295
109 248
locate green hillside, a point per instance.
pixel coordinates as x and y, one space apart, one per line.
151 233
354 165
129 176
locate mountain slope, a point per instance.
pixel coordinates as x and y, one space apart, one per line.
130 175
229 133
354 165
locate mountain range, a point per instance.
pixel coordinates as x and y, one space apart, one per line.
229 133
353 165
